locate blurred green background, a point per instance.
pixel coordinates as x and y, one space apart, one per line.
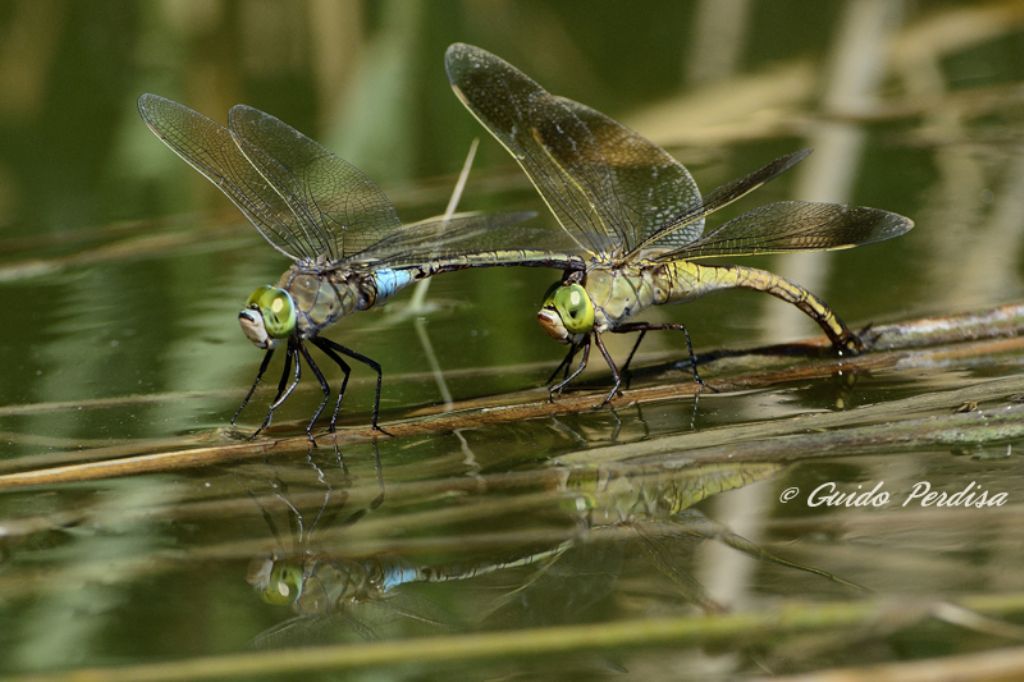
122 270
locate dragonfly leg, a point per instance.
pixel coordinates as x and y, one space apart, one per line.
565 364
259 375
346 371
378 469
372 364
644 327
629 358
611 365
557 388
323 387
282 392
282 383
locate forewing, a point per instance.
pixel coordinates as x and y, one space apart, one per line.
796 226
608 187
341 210
207 146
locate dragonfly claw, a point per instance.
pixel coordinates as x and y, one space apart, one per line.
850 344
378 427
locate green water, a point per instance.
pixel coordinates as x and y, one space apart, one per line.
122 272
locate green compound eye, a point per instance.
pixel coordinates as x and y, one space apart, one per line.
276 307
284 585
574 307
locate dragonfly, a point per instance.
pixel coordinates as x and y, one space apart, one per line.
349 250
636 218
614 510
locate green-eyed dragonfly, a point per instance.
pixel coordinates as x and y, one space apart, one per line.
636 216
349 248
614 511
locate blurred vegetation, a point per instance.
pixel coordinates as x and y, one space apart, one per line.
122 271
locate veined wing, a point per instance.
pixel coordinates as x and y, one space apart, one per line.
719 198
471 240
342 211
207 146
796 226
608 187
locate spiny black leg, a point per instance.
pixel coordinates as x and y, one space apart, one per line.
644 327
295 520
283 381
327 512
372 364
693 357
346 371
557 388
693 413
566 363
259 375
323 387
629 358
379 470
268 519
611 365
618 424
376 501
283 396
322 478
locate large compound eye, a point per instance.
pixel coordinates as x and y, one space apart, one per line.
276 307
284 585
574 307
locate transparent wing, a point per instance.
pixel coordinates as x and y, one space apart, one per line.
341 210
608 187
719 198
796 226
472 239
207 146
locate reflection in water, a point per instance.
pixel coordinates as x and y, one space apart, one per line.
607 516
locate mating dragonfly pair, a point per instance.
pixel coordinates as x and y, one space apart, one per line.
631 219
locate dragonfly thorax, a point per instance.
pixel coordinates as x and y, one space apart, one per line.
323 298
618 293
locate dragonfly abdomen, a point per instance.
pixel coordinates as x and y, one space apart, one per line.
693 279
389 281
683 281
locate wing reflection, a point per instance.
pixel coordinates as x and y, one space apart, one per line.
540 547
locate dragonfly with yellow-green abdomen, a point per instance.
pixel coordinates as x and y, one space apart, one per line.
350 250
636 217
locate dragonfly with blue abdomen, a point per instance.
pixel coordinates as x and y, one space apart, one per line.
616 510
637 219
349 249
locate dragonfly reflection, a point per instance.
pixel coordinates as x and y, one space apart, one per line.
611 508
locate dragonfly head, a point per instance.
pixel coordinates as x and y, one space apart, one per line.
567 312
277 582
268 316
